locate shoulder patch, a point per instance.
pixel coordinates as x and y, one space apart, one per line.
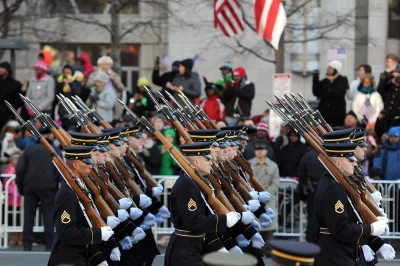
192 205
65 217
339 207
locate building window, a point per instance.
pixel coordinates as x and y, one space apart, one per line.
394 19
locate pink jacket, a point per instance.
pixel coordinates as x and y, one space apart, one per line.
12 188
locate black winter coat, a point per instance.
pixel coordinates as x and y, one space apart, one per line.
163 79
385 85
290 158
9 91
245 94
332 105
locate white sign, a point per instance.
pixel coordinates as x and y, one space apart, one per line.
275 123
281 84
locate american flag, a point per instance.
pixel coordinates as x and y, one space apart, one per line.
337 54
367 109
228 17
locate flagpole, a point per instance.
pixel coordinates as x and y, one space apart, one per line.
280 54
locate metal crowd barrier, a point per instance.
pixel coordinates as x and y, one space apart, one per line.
291 216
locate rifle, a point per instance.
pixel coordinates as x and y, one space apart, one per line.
70 178
337 173
226 181
101 205
122 183
241 186
184 164
48 122
139 164
76 116
104 188
91 113
245 165
114 191
219 193
316 114
128 176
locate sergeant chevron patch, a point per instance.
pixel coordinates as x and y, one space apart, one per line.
192 206
65 217
339 207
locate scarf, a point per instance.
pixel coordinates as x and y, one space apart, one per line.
332 78
368 90
41 77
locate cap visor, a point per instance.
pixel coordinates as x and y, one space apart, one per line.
88 161
103 148
215 144
117 143
96 147
208 156
352 158
362 144
223 145
138 136
124 139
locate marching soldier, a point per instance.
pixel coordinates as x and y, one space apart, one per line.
191 215
74 237
342 231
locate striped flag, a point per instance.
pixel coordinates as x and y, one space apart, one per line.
228 17
337 54
270 19
367 109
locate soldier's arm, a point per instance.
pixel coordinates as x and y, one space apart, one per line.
213 242
189 199
335 208
66 222
375 243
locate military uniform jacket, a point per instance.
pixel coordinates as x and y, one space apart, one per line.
73 233
190 214
341 234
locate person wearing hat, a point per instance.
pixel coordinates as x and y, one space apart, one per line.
142 104
227 77
351 120
286 252
74 238
165 80
10 89
41 89
186 81
342 231
385 79
168 165
331 93
291 155
386 164
212 104
238 96
102 96
267 172
191 215
39 186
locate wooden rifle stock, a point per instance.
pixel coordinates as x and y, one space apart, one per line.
245 165
118 180
104 124
93 129
182 132
58 136
219 208
150 181
235 175
239 182
114 206
219 193
70 178
64 134
129 178
199 124
121 174
101 205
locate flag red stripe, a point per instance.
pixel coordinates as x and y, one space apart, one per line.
272 14
228 20
235 15
258 10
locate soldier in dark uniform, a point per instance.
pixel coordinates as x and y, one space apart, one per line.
191 215
74 237
288 253
342 230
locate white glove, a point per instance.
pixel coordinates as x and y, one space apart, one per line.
135 213
223 250
106 233
115 254
264 196
122 215
242 241
104 263
387 252
232 218
236 250
270 212
368 253
126 243
377 196
137 235
382 211
383 218
247 217
247 207
157 191
164 212
257 241
158 218
125 203
256 225
144 201
254 205
149 221
9 136
378 228
265 221
113 221
254 194
386 220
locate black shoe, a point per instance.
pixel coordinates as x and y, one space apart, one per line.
27 248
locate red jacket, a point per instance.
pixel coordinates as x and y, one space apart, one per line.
213 107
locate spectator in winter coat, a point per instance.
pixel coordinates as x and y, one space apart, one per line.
227 78
168 165
238 97
105 64
165 80
291 155
67 85
392 98
41 89
366 98
388 163
150 154
351 93
102 97
386 78
186 81
86 65
142 105
9 91
8 145
331 92
212 105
